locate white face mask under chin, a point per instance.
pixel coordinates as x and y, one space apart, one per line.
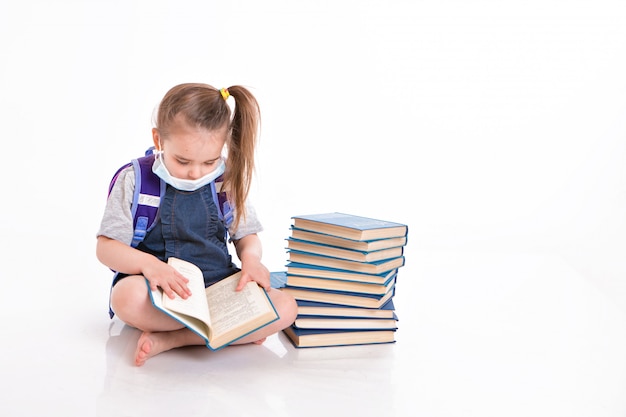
158 167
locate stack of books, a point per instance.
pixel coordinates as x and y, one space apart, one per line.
342 271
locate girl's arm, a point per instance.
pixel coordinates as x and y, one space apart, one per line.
123 258
249 252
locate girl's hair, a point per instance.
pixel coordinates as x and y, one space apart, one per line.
204 106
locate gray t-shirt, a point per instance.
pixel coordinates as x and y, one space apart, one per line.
117 220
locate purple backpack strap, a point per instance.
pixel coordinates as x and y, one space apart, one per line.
224 210
147 197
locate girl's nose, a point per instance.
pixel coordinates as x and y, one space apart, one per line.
194 173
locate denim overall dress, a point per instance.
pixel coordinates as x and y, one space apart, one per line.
189 228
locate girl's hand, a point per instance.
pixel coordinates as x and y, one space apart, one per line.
121 257
249 252
254 272
160 274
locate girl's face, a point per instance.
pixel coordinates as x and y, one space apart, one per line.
190 153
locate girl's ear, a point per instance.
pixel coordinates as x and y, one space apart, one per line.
156 139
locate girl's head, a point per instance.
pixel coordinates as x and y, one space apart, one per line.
194 127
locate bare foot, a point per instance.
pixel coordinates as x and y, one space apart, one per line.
153 343
144 350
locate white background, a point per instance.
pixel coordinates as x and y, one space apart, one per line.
483 125
494 129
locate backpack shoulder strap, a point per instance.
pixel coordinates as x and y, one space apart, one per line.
149 189
224 209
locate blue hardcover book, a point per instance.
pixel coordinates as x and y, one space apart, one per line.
360 245
350 226
385 280
302 338
340 297
347 323
278 279
377 267
314 308
316 271
340 285
342 253
344 293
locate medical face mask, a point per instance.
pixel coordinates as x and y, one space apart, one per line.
181 184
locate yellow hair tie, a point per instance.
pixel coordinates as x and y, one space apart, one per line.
225 93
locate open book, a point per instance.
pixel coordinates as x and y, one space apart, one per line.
218 313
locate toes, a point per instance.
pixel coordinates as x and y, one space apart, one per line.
144 346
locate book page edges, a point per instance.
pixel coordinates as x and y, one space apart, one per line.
244 324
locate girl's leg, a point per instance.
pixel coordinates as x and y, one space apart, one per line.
131 303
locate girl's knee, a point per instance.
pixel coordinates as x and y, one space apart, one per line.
288 309
128 298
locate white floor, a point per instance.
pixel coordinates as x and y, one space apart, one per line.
480 334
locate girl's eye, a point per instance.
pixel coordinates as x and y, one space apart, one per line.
209 163
182 162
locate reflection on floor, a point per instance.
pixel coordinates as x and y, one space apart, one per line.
480 334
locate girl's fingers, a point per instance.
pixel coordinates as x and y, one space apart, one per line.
242 282
171 290
168 291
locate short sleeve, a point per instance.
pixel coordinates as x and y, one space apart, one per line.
117 220
248 225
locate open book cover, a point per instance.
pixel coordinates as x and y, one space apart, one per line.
218 313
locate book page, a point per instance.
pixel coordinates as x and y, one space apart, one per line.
230 309
194 306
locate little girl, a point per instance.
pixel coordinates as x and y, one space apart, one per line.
197 138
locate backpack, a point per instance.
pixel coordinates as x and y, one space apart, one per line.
149 189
